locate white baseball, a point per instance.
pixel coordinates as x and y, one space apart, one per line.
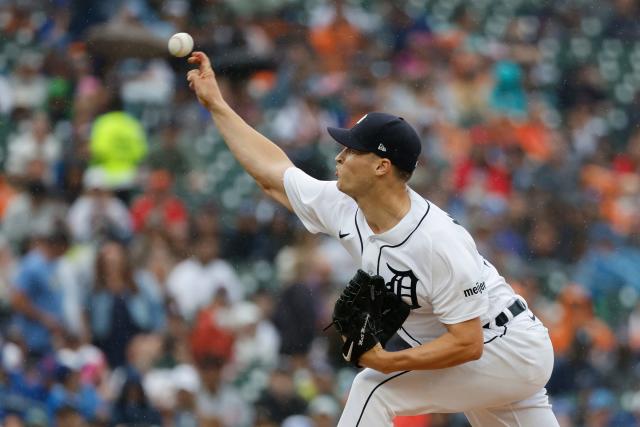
180 44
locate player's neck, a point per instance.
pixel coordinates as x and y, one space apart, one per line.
384 209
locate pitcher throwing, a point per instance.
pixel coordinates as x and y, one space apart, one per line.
474 346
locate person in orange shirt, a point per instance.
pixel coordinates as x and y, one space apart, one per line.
6 194
534 137
577 316
337 41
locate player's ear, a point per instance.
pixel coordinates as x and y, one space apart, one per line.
383 167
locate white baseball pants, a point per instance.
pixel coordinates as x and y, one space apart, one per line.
504 388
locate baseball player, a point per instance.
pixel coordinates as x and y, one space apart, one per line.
475 347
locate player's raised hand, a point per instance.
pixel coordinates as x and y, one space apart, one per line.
202 80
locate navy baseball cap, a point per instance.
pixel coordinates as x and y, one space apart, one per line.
383 134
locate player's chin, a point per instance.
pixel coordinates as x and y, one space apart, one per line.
340 183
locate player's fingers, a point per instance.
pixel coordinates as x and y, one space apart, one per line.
202 59
191 75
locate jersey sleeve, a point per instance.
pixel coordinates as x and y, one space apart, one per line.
315 202
459 292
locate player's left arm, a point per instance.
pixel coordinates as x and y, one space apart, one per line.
463 342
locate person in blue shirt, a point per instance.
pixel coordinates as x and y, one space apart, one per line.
71 391
37 295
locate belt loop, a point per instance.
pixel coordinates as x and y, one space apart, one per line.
509 315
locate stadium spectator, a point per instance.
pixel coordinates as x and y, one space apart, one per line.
209 338
28 83
31 212
36 144
69 416
157 207
121 305
218 402
195 281
36 297
132 406
295 316
118 145
70 391
166 153
280 399
98 214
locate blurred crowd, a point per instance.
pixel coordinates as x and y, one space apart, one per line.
144 280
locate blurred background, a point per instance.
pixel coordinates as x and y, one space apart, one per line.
144 280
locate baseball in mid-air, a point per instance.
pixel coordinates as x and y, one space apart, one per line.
180 44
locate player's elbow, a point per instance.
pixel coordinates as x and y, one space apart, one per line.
471 349
475 350
469 339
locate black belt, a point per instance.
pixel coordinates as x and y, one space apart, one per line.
502 319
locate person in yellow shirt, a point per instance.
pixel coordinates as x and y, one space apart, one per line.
118 145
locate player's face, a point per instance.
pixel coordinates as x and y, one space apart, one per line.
354 170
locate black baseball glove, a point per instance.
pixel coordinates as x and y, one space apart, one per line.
367 313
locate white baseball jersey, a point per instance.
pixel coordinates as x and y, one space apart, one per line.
427 258
433 264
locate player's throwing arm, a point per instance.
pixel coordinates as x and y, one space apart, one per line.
260 157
